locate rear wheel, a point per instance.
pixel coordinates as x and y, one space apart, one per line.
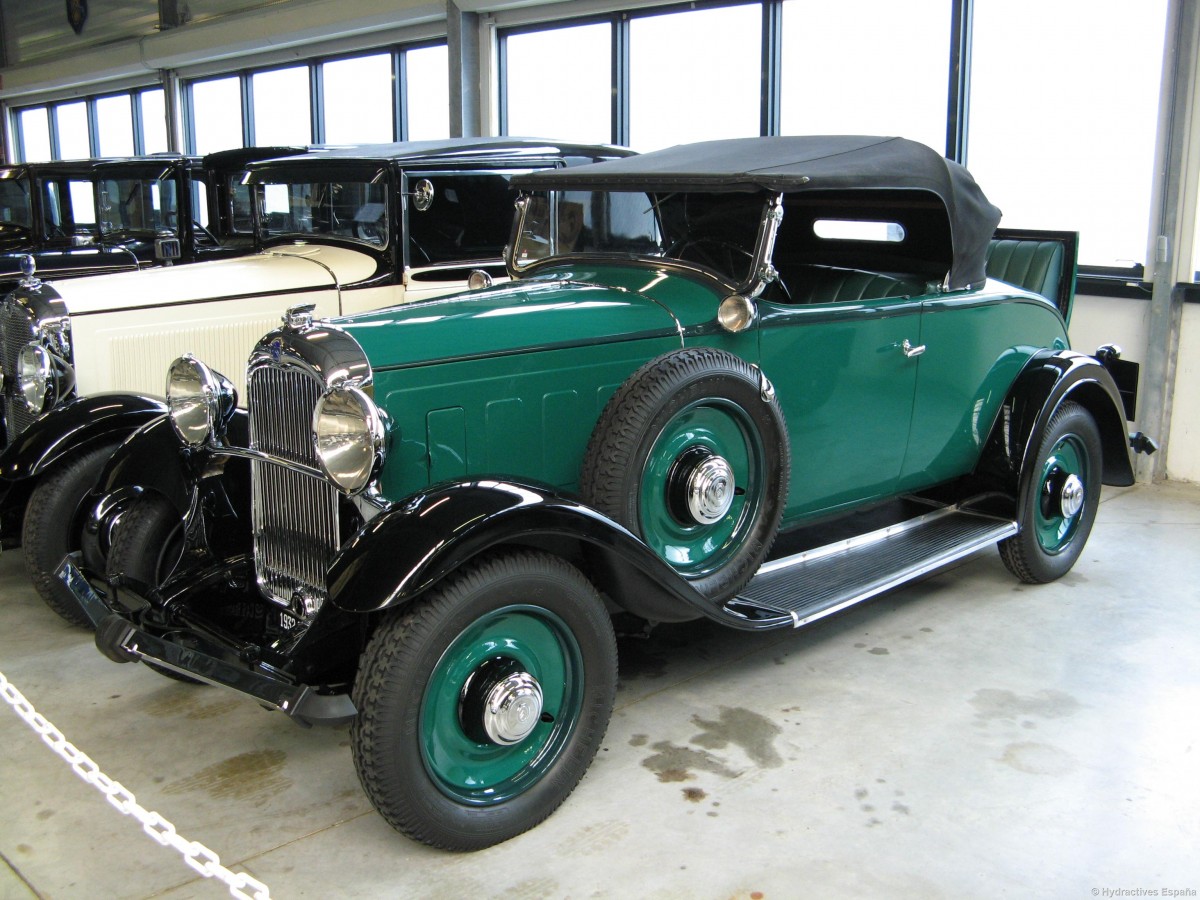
1059 497
54 518
483 703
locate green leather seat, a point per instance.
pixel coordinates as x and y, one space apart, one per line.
822 284
1036 266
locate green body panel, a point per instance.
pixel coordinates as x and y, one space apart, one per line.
976 345
532 365
846 391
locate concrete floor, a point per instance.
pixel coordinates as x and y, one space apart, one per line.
965 737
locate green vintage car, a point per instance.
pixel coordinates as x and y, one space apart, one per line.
755 381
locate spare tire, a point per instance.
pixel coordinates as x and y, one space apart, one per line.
691 454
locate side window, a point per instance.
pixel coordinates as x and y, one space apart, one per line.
83 205
52 210
469 217
14 204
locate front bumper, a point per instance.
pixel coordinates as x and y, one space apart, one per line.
202 658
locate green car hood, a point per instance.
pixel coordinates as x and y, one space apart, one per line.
560 308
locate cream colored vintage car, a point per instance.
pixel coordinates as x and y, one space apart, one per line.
343 230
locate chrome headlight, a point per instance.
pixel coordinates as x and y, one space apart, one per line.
349 437
198 398
35 376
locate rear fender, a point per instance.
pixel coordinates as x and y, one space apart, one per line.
413 545
1049 380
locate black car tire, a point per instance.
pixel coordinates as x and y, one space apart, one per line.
53 525
1065 472
145 548
644 465
421 748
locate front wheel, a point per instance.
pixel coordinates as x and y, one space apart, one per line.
53 525
146 545
1060 492
482 704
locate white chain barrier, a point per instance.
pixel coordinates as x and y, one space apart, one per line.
195 854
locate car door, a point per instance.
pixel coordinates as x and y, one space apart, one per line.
976 343
846 388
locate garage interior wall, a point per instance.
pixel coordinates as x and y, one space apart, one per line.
131 43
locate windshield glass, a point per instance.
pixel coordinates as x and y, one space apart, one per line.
356 210
138 206
16 215
715 231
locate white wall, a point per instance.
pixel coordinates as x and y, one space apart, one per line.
1126 322
1183 457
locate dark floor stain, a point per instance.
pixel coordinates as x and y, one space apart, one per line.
693 795
191 702
927 630
878 651
673 763
860 646
638 740
24 848
247 776
900 808
754 733
45 814
1038 759
996 704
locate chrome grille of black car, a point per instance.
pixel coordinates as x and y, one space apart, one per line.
16 330
295 515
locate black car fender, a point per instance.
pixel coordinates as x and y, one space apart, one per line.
200 480
74 426
1048 380
412 545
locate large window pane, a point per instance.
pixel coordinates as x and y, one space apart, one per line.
73 140
695 76
216 115
428 102
154 121
114 125
867 67
559 83
35 134
1064 117
282 112
358 100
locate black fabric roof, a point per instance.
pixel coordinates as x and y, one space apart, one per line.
808 163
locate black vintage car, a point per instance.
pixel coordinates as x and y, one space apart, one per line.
756 381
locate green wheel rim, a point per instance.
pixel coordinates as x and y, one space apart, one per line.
722 428
1055 530
484 773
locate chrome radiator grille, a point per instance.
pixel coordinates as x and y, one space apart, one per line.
16 330
295 515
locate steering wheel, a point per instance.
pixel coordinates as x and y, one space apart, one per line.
715 253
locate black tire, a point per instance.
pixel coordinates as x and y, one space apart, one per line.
53 526
1060 492
146 545
645 462
421 746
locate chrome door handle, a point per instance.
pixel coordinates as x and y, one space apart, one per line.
910 351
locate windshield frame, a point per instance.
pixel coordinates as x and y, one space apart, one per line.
759 275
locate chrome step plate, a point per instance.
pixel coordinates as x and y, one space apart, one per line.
819 582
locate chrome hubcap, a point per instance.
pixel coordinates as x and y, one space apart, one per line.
710 490
512 708
1071 496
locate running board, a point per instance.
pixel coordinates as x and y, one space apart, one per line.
819 582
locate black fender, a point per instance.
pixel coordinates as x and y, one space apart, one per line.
201 484
73 427
1048 380
414 544
76 425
